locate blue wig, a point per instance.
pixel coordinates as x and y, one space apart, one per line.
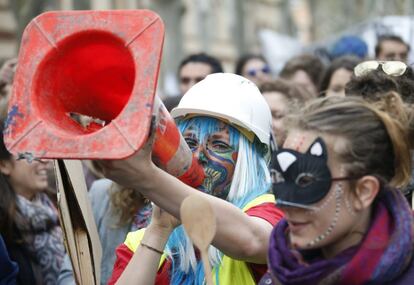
250 179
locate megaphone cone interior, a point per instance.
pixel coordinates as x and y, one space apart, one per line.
85 84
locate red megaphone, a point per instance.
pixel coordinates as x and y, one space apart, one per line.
85 88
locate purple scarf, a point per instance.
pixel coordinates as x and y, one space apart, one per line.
382 256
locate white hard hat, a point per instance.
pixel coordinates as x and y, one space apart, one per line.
230 97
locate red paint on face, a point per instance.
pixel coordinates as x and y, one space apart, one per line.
234 156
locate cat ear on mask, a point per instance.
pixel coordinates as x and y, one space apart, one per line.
284 160
318 149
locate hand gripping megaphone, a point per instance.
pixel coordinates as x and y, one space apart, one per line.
85 89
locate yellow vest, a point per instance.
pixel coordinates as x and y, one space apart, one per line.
230 271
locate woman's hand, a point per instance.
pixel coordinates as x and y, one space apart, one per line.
143 267
163 221
134 171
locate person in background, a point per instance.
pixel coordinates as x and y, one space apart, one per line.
390 82
337 75
349 46
372 79
305 70
282 97
91 171
116 211
193 69
345 221
391 47
253 67
29 221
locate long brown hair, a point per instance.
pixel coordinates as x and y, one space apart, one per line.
8 197
126 202
376 141
294 94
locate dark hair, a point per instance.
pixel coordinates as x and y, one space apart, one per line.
241 62
384 38
372 85
8 198
309 63
4 153
171 102
213 62
346 62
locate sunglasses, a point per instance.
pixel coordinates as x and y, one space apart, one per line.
392 68
254 71
187 80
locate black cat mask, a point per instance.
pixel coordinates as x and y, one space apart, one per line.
307 178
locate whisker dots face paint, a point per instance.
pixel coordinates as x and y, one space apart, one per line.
338 197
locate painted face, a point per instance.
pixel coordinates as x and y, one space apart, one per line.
315 197
26 178
216 154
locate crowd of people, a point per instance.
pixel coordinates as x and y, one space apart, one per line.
308 171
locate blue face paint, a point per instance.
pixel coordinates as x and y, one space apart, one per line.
214 144
219 171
